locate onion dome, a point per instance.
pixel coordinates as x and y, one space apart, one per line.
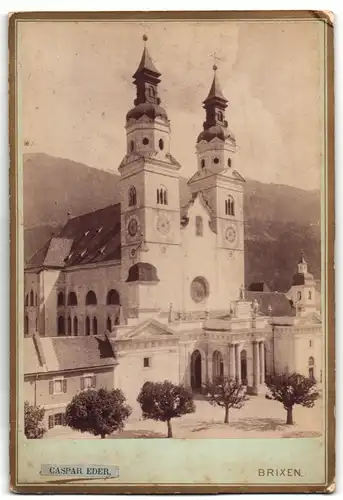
149 109
218 131
142 271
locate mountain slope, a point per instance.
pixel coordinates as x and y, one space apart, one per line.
280 220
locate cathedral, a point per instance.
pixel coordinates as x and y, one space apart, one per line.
162 285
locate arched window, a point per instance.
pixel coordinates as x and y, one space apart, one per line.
60 299
113 298
132 146
202 163
162 198
161 144
132 197
311 368
32 298
36 299
309 295
69 326
75 326
230 206
91 299
109 324
298 295
95 326
72 299
229 162
61 326
198 226
26 299
26 325
88 326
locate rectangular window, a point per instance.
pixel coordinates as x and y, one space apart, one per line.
51 421
88 382
146 363
58 386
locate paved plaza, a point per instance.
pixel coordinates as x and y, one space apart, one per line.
259 418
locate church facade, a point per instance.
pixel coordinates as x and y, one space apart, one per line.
164 282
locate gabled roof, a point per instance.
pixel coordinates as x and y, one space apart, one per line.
90 238
280 305
67 353
150 328
204 202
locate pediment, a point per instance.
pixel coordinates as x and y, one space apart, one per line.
149 329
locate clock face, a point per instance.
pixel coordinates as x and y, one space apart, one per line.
163 224
133 226
231 234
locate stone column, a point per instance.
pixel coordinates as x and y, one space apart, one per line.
238 362
226 361
256 366
232 367
262 362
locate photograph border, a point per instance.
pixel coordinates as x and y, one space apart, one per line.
59 486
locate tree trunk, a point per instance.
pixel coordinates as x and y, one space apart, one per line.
289 420
103 436
170 432
226 419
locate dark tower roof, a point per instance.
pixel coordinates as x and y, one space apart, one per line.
215 104
302 259
146 66
142 271
146 80
215 90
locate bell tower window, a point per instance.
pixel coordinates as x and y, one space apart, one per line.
161 196
220 116
132 146
229 206
161 144
132 197
229 162
202 163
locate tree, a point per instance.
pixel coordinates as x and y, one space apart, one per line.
33 421
290 390
99 412
227 393
164 401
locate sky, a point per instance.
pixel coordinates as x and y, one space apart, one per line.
75 84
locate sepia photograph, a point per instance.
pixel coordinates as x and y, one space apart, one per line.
172 248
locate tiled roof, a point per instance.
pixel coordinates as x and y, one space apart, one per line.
89 238
280 305
258 287
67 353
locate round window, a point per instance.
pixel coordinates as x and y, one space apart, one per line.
161 144
199 289
216 160
145 141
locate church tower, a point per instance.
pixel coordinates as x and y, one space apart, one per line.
150 203
302 293
222 188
